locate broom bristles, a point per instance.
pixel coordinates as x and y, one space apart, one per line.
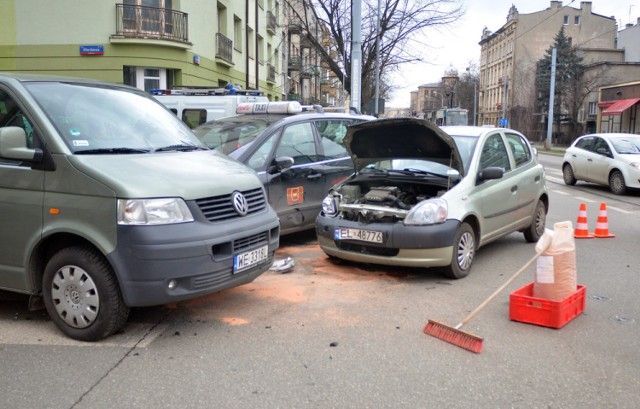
454 336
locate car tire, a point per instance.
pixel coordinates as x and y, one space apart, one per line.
568 176
536 229
617 184
464 250
81 294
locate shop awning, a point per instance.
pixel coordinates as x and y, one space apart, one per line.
621 105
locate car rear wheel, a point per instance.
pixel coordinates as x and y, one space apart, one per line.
536 229
464 250
616 183
567 175
82 295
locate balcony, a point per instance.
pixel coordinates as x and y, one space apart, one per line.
295 26
271 22
271 73
295 62
141 22
224 48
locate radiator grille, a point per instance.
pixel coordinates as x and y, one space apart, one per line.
219 208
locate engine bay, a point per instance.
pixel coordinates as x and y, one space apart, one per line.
367 201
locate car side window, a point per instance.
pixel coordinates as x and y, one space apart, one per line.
600 143
297 141
332 133
585 143
12 115
519 148
258 159
494 154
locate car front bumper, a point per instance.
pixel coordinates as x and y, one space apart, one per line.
409 246
198 257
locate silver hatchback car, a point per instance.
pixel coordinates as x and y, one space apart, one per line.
423 196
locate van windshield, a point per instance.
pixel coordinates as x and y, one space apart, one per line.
98 119
229 134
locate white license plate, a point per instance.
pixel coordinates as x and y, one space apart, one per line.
249 259
357 234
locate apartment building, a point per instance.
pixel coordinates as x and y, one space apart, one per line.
149 43
509 56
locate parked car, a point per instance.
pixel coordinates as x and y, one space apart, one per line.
109 201
298 155
424 196
610 159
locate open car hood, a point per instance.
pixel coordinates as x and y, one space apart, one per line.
405 138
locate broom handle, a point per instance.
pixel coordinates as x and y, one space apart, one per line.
492 296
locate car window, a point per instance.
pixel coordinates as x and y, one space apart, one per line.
332 133
627 146
494 154
297 141
519 148
194 117
230 134
258 159
600 143
585 143
12 115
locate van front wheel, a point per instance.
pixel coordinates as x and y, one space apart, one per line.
82 296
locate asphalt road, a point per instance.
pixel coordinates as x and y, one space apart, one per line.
341 335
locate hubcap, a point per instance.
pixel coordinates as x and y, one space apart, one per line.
466 250
540 220
75 296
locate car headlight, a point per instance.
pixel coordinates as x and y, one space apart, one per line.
427 212
170 210
329 206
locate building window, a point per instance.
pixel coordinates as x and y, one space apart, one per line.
565 21
145 78
250 43
593 108
237 33
576 20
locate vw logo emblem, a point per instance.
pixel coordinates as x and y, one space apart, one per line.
240 203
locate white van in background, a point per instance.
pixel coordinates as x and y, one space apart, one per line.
196 106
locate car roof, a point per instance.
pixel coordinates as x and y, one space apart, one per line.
472 131
610 135
287 118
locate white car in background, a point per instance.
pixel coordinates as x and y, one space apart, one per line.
610 159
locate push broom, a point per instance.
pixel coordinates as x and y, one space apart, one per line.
466 340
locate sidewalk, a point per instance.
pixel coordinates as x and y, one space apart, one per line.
555 150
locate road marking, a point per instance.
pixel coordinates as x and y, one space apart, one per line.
45 333
619 210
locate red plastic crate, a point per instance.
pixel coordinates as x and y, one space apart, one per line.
555 314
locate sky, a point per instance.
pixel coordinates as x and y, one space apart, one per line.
457 45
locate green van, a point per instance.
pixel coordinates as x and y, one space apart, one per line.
108 201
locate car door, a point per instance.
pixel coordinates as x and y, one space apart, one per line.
498 197
21 201
600 161
296 193
581 157
527 174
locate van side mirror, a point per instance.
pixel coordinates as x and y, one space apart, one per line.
490 173
13 145
280 163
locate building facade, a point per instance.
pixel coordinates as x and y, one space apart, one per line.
509 59
149 43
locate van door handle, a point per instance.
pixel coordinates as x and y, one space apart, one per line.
514 188
314 176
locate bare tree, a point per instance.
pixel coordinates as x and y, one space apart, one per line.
402 34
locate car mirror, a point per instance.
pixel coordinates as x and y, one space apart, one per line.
603 151
280 163
13 145
490 173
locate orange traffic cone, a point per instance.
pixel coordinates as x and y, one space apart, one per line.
582 228
602 226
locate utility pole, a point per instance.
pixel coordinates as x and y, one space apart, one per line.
552 90
377 93
356 53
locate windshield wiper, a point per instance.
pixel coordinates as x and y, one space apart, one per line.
423 172
180 147
108 151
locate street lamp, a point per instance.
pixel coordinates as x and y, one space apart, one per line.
449 81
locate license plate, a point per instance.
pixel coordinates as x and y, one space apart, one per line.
357 234
250 258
